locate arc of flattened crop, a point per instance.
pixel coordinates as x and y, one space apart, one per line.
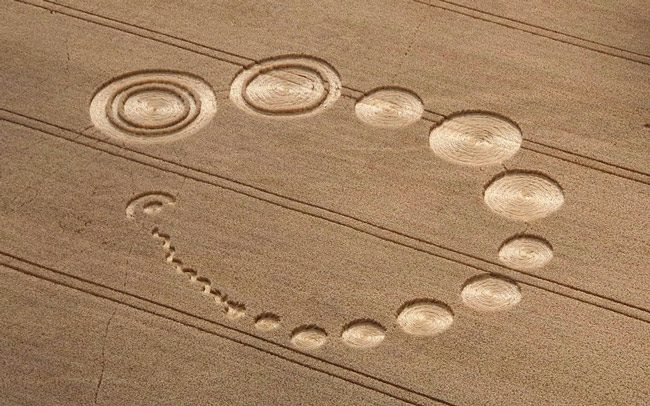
149 203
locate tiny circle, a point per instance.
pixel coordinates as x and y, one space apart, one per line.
234 311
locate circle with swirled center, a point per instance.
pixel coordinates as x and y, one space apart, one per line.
523 195
475 139
152 107
389 107
526 252
284 87
490 293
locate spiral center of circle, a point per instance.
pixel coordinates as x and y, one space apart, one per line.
286 87
285 90
389 108
523 196
488 293
475 139
154 108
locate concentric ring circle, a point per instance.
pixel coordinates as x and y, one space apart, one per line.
389 108
489 293
523 196
526 252
425 317
150 107
286 86
475 139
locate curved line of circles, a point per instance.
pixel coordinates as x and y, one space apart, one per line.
292 86
158 106
423 317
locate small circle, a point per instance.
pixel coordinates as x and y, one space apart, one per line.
363 334
267 322
526 252
389 108
151 107
425 318
523 196
286 86
489 293
308 337
475 139
234 311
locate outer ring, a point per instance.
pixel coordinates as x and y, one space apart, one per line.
104 113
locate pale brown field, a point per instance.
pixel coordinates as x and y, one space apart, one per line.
414 202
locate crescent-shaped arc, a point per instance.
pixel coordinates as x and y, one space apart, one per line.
148 199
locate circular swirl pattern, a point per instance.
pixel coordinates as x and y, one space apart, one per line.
267 322
425 318
363 334
389 108
523 196
308 337
475 139
489 293
153 107
288 86
526 252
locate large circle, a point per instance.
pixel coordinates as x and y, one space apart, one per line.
526 252
389 108
523 196
288 86
425 318
152 107
363 334
489 293
475 139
